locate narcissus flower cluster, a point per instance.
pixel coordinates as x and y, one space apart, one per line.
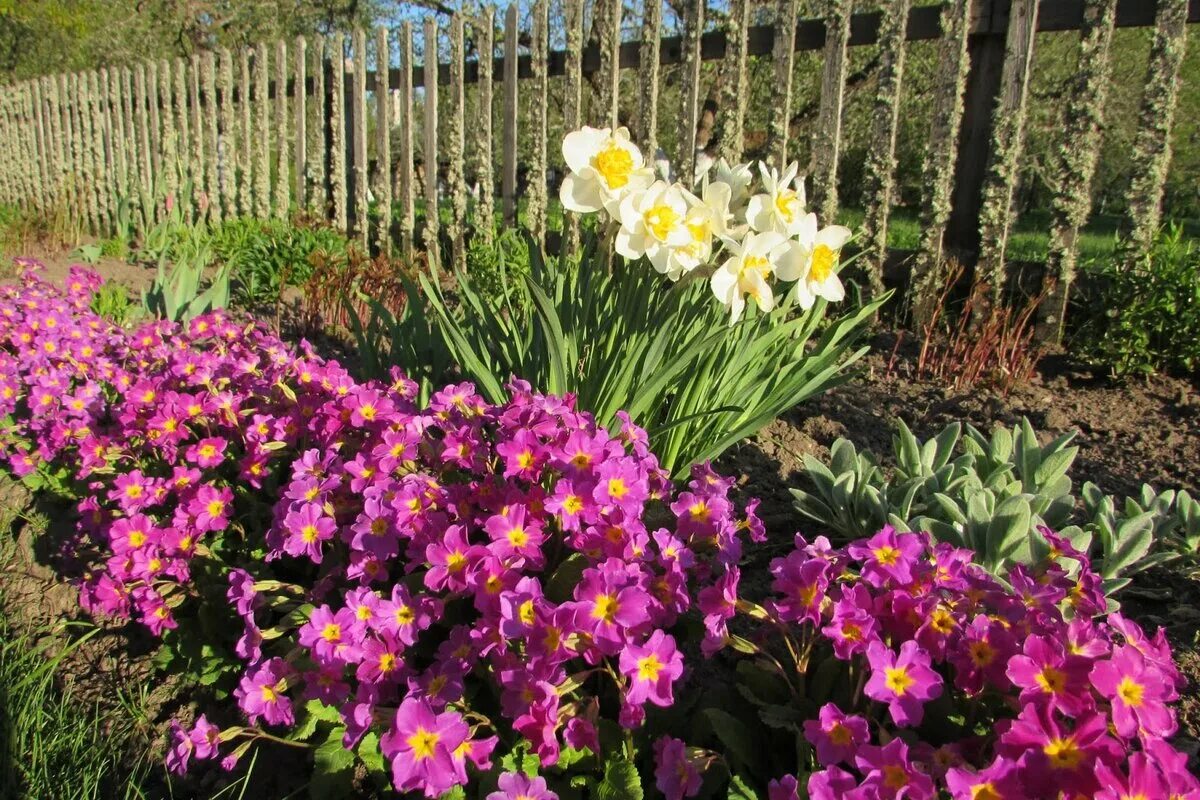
743 242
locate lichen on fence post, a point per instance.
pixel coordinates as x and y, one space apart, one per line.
648 72
156 162
456 144
827 135
783 58
880 169
57 136
69 86
170 144
1152 145
573 100
1073 163
88 144
245 164
941 154
508 183
300 117
318 186
337 130
42 197
485 172
183 124
536 213
199 195
262 133
1008 130
735 90
230 158
405 179
100 190
358 147
430 149
283 155
145 169
212 151
693 27
609 81
383 142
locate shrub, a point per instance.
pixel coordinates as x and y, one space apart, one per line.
1145 317
268 256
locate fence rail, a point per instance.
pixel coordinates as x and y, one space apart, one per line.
289 125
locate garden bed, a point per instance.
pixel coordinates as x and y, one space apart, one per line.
1130 433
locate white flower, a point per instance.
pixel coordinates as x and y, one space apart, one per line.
813 263
652 223
707 217
738 178
604 166
747 271
781 208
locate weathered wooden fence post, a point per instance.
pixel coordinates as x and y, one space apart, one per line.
693 27
508 186
383 142
456 182
283 157
941 152
337 130
358 117
573 99
827 136
227 175
1152 146
536 211
300 110
432 207
1008 130
1074 163
485 172
736 86
407 192
648 70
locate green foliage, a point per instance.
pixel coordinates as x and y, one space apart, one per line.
178 294
620 339
53 744
1145 317
112 301
267 256
992 494
494 266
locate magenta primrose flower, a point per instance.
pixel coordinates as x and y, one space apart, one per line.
905 681
421 747
652 668
1138 693
675 774
835 735
888 556
519 786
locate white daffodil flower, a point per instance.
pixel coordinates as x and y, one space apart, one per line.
747 272
604 166
781 207
652 224
708 217
738 178
813 263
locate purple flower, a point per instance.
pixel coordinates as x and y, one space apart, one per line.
421 747
888 556
835 735
1138 693
519 786
652 668
260 694
675 775
905 681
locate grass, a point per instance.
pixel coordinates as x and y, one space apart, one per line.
52 744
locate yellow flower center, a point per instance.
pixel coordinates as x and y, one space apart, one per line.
572 504
823 261
757 264
525 612
268 694
367 412
517 537
606 608
137 538
405 616
887 555
660 220
981 652
1131 692
309 533
985 791
216 508
1052 681
895 776
456 561
840 735
207 451
614 163
423 743
1063 753
649 667
379 526
133 491
786 204
332 632
898 680
387 662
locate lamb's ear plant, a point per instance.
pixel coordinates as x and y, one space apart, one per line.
994 493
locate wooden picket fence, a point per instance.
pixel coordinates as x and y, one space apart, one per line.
285 126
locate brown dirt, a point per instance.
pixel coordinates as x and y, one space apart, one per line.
59 262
